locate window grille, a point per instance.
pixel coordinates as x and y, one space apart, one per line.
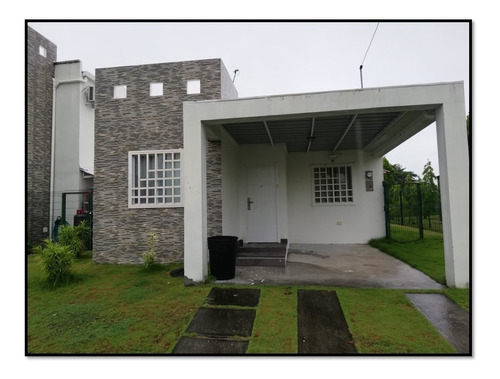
155 179
332 185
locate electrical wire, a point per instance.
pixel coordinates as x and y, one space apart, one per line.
361 66
373 36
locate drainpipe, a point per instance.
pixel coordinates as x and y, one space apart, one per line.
52 157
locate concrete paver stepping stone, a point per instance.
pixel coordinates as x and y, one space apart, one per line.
448 318
222 322
322 328
216 328
190 345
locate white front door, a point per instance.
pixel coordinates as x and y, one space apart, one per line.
262 219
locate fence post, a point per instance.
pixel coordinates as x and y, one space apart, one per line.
63 210
387 210
91 217
401 187
420 213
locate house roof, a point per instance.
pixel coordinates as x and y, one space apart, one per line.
317 132
374 120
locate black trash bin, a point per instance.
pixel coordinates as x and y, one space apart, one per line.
222 251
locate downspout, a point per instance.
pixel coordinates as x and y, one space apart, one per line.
52 157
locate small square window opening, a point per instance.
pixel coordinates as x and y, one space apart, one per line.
120 92
43 51
193 87
156 89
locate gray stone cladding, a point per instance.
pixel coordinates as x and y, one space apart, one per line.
141 122
40 74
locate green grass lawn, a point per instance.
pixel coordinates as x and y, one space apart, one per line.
426 255
123 309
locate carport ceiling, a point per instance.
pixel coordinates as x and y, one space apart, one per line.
361 131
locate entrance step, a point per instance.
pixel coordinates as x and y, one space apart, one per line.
262 254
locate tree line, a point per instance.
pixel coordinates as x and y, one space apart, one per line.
410 196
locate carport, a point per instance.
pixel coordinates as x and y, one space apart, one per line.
291 133
344 265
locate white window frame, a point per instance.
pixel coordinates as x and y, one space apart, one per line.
120 92
331 185
155 179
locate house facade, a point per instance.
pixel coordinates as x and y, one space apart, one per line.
139 184
177 153
307 168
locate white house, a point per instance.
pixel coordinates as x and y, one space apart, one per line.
307 168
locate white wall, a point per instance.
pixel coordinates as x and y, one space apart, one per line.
86 133
73 137
356 223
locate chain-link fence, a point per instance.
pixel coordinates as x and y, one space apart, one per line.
412 211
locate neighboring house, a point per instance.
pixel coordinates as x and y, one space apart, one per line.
73 136
60 136
40 55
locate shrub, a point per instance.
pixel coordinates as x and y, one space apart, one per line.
150 256
56 261
74 238
84 232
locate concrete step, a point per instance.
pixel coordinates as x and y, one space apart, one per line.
262 254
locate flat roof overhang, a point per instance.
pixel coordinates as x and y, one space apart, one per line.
362 119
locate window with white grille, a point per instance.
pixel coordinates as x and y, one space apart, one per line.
155 179
332 185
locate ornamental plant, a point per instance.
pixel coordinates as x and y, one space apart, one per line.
74 237
56 262
150 255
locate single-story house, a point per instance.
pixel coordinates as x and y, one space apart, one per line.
179 154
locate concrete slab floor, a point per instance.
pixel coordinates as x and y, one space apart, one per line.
346 265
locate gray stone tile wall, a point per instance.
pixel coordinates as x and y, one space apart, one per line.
141 122
40 73
214 188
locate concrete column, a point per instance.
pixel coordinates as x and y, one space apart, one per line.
454 181
195 199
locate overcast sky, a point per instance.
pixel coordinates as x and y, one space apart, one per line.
282 58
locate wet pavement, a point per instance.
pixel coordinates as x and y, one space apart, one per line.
447 317
355 266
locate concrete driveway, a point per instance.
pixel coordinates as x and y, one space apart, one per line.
337 265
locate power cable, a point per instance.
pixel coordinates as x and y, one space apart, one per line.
369 45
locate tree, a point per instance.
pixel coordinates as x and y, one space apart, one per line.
430 193
397 174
